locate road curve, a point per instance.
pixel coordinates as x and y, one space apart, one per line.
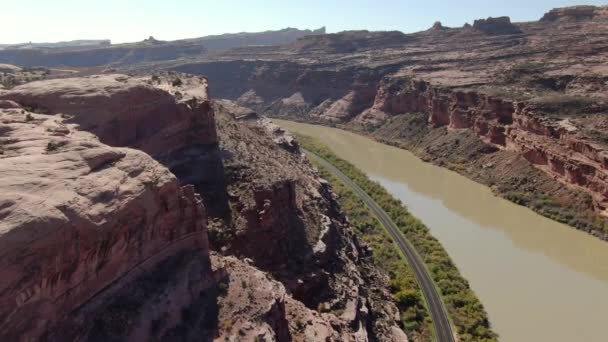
443 328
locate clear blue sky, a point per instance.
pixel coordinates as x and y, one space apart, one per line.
134 20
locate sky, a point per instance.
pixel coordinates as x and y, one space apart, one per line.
135 20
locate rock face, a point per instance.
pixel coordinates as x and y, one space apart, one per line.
118 108
555 146
282 318
276 315
136 112
286 221
536 90
79 217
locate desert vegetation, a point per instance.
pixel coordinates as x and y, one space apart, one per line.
415 318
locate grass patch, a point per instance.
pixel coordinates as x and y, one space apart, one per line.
466 311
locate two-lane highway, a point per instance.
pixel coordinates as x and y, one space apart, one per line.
443 328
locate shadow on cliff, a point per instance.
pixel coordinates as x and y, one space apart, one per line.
203 167
177 305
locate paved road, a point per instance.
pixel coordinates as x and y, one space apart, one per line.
443 329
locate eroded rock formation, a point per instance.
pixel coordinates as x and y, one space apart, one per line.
500 25
286 221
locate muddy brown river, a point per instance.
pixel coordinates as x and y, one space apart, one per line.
538 279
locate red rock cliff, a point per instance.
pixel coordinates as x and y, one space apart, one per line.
153 116
553 145
125 111
79 216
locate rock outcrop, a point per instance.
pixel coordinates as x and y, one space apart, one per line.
118 109
12 75
8 68
79 218
437 26
151 116
286 221
275 316
495 26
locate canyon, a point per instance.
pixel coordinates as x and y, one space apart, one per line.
110 181
136 204
531 93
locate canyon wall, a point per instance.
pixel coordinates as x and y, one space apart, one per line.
554 145
179 131
533 93
285 221
79 217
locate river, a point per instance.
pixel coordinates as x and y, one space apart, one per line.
539 280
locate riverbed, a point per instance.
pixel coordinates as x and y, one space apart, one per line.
539 280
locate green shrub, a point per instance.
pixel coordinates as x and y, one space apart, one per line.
528 68
177 82
52 146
